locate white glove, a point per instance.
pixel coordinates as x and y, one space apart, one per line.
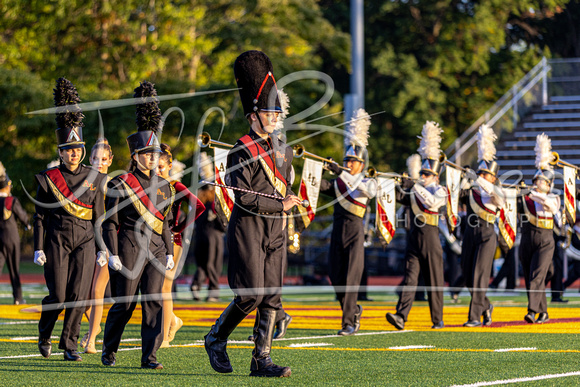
115 263
169 262
39 257
102 258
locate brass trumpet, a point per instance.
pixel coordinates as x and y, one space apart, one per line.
372 173
443 160
556 161
204 140
299 151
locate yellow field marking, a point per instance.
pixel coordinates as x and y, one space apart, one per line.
328 316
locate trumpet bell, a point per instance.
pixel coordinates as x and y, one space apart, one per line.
555 158
204 140
298 150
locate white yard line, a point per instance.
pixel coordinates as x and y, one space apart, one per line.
520 380
301 345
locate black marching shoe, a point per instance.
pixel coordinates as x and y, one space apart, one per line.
530 318
262 365
108 359
72 355
216 340
542 318
282 326
472 324
357 317
152 365
439 325
487 316
559 300
44 346
347 330
396 321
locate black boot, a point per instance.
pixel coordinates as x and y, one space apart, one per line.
262 364
252 337
282 326
217 339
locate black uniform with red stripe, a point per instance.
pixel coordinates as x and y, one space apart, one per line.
537 246
346 253
256 248
137 230
424 254
10 241
68 205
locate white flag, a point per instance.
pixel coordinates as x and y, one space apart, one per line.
385 212
453 182
309 190
224 197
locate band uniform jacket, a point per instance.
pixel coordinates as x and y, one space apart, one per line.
424 254
346 253
483 201
256 223
67 208
539 212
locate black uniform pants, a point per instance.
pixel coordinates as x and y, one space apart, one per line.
557 276
68 273
209 253
424 255
536 252
346 268
478 250
255 268
142 271
10 254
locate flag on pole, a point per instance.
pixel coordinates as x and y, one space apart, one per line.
309 190
508 217
224 197
453 182
385 212
570 194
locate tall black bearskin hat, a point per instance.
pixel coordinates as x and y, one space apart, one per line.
429 148
486 151
69 119
4 179
148 120
544 156
255 78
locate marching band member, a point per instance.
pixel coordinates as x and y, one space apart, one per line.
352 192
9 237
136 233
483 200
424 253
258 162
101 158
540 208
172 323
69 200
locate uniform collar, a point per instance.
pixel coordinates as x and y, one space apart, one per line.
64 169
139 173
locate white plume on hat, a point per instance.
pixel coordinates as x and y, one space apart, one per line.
430 140
2 170
414 166
177 168
543 151
53 163
486 143
285 105
206 171
357 132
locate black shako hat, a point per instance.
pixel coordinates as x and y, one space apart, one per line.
257 86
69 118
148 120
